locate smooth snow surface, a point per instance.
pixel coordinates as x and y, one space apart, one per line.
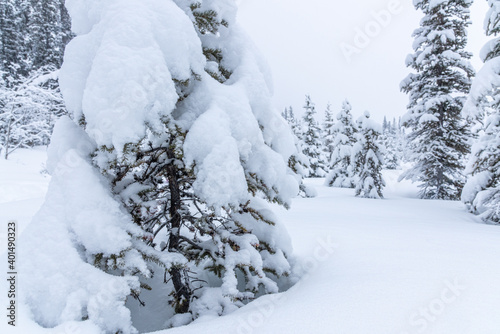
395 266
23 184
400 265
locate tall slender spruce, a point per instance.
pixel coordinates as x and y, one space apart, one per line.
311 140
439 136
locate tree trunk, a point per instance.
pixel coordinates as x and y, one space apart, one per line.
182 293
7 140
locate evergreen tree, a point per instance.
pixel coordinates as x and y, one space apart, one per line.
481 193
385 125
14 61
49 33
311 140
389 141
329 132
340 166
298 162
439 137
188 168
287 114
293 121
368 160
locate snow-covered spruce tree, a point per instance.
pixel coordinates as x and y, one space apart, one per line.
311 140
385 125
389 141
162 179
33 35
401 141
14 62
329 132
340 165
439 136
298 162
288 115
481 193
48 33
368 159
293 122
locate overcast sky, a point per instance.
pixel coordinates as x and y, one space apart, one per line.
315 47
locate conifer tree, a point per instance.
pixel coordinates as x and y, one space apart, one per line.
385 125
439 137
49 33
311 140
340 165
187 168
329 132
368 159
389 141
14 62
298 162
293 122
481 193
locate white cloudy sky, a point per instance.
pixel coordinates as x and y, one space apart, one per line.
302 39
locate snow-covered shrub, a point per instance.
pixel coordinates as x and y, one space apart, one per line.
29 110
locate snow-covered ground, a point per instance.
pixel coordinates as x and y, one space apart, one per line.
23 184
395 266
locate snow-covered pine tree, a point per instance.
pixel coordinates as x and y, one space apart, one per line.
481 193
368 159
294 122
311 140
14 62
485 92
401 141
48 33
329 132
340 164
439 136
388 139
288 115
298 162
167 168
33 35
385 125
